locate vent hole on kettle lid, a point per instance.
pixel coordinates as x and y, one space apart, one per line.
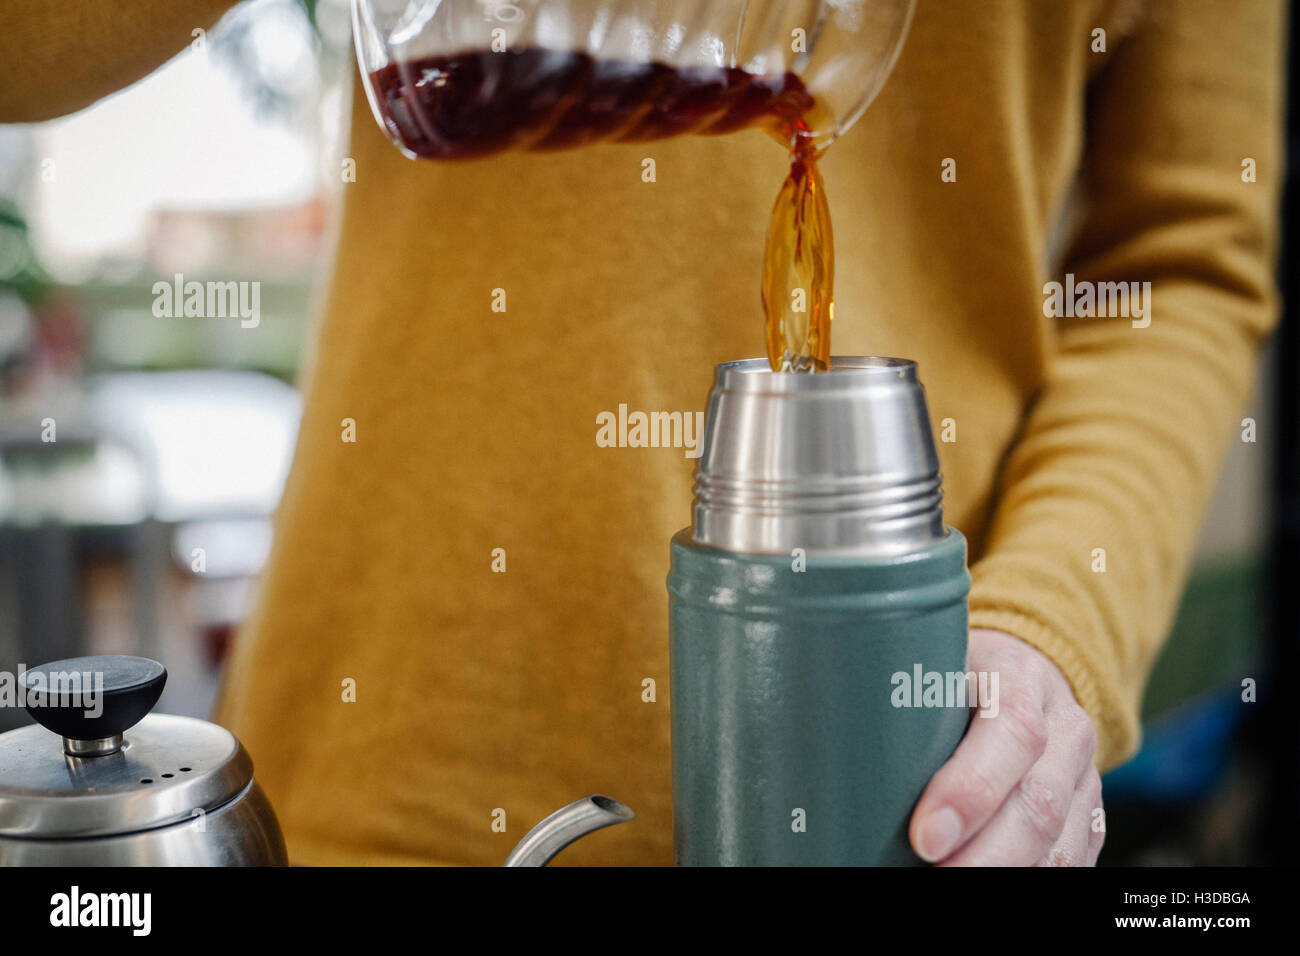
185 769
147 780
168 776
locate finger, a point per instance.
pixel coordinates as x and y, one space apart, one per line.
1033 817
968 790
1073 846
1096 823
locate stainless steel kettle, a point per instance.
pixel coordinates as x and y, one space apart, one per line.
103 782
569 823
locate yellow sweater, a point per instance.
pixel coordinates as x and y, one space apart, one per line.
475 430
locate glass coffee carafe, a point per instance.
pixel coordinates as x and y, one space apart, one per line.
452 79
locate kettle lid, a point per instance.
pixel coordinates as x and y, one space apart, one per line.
118 769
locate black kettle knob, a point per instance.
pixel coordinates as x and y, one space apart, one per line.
91 701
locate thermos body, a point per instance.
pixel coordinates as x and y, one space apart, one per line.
793 742
818 614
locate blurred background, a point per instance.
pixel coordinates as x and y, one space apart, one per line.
143 527
226 164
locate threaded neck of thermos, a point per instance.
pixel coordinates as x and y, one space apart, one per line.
838 462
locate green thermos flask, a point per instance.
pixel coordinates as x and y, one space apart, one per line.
815 592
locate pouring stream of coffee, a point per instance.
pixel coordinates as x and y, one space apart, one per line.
481 102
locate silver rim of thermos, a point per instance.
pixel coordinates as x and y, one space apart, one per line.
835 462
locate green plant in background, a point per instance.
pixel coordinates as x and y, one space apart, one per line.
309 7
20 272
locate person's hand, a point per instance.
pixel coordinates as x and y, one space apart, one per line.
1021 788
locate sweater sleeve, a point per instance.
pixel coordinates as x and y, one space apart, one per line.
1122 446
58 57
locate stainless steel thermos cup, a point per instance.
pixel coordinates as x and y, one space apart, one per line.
816 586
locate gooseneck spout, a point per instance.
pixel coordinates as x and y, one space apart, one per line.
542 842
